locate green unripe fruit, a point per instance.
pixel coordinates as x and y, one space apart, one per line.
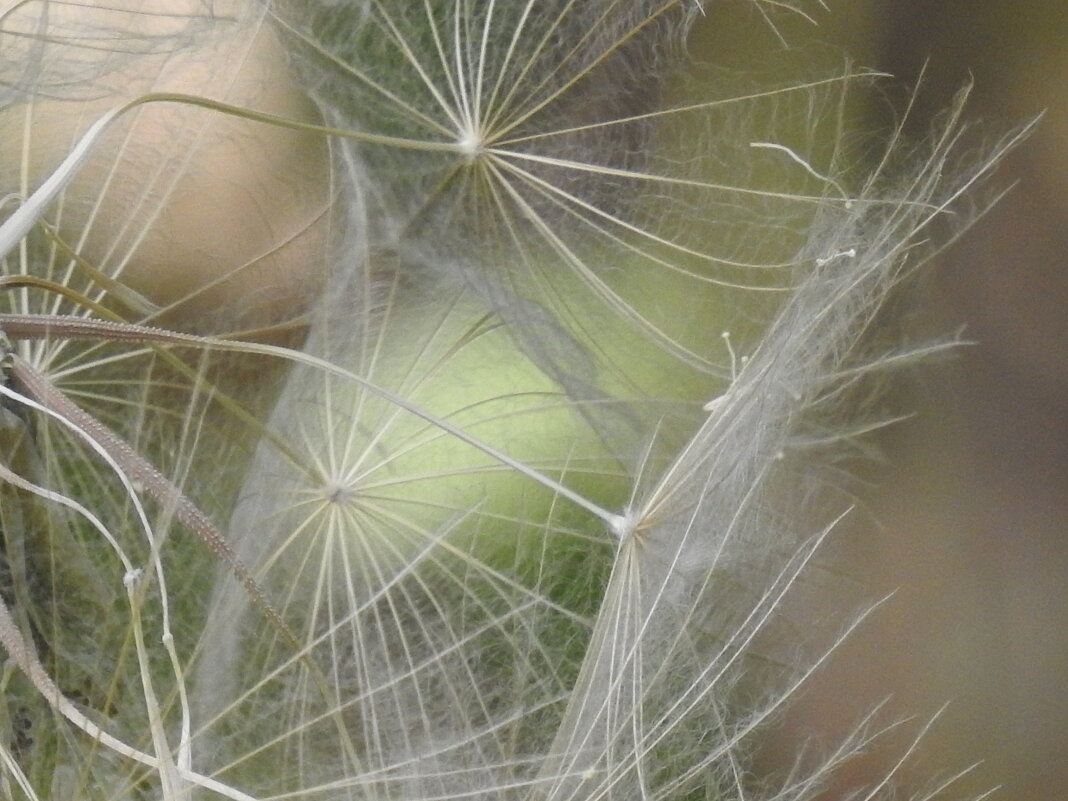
378 522
381 488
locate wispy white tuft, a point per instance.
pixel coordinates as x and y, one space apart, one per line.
529 506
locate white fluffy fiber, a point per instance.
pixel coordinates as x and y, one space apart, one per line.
534 550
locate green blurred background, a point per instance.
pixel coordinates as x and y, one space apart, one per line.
970 507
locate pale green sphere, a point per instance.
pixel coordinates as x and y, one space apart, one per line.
375 489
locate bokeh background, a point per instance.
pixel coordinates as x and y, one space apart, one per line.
966 518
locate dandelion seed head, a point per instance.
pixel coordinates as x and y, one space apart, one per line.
338 493
623 526
471 143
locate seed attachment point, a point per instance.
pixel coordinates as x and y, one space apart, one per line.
471 144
